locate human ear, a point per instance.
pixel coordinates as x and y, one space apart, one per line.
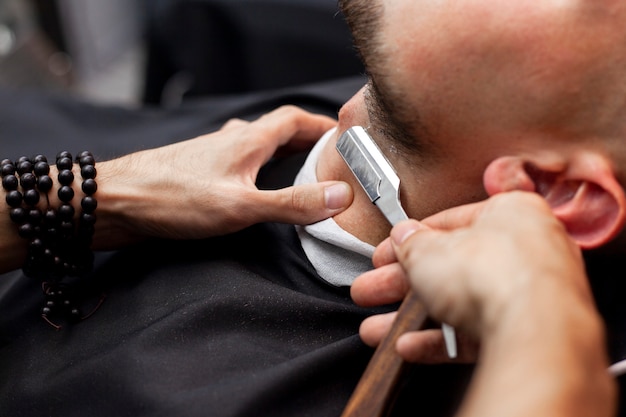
581 190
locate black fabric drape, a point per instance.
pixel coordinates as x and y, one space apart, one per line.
208 47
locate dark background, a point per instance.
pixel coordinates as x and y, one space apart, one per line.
161 52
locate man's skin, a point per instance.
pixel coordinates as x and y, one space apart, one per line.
474 98
502 96
534 315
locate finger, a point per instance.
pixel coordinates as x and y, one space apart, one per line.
380 286
374 328
384 254
465 215
292 124
303 204
455 217
429 347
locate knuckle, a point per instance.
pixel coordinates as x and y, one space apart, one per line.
299 201
234 122
290 109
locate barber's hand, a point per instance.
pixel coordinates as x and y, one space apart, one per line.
206 186
389 284
471 266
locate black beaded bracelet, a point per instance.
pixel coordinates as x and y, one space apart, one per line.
57 247
83 260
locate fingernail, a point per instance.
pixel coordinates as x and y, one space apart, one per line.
337 196
403 230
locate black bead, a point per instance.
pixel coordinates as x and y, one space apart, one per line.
89 204
14 198
18 215
64 163
66 226
36 246
31 197
66 212
63 154
24 166
52 233
10 182
66 177
26 230
50 217
57 264
28 180
66 193
41 168
87 159
88 218
35 216
40 158
44 183
89 186
88 172
48 255
8 168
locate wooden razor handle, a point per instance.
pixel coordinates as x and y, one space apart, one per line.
375 393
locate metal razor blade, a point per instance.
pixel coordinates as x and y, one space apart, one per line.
382 185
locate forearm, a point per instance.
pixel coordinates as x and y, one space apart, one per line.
548 360
197 188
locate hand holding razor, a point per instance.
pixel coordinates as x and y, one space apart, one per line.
373 395
382 185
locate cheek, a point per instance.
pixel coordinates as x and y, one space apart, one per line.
353 113
439 186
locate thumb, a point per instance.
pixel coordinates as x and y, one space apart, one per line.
307 203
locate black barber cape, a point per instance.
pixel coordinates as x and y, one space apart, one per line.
239 325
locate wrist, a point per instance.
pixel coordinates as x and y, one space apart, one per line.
555 338
120 198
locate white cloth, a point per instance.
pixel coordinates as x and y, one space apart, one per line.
338 256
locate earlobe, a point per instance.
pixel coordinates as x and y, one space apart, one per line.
582 191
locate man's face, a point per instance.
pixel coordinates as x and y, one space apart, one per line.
466 81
